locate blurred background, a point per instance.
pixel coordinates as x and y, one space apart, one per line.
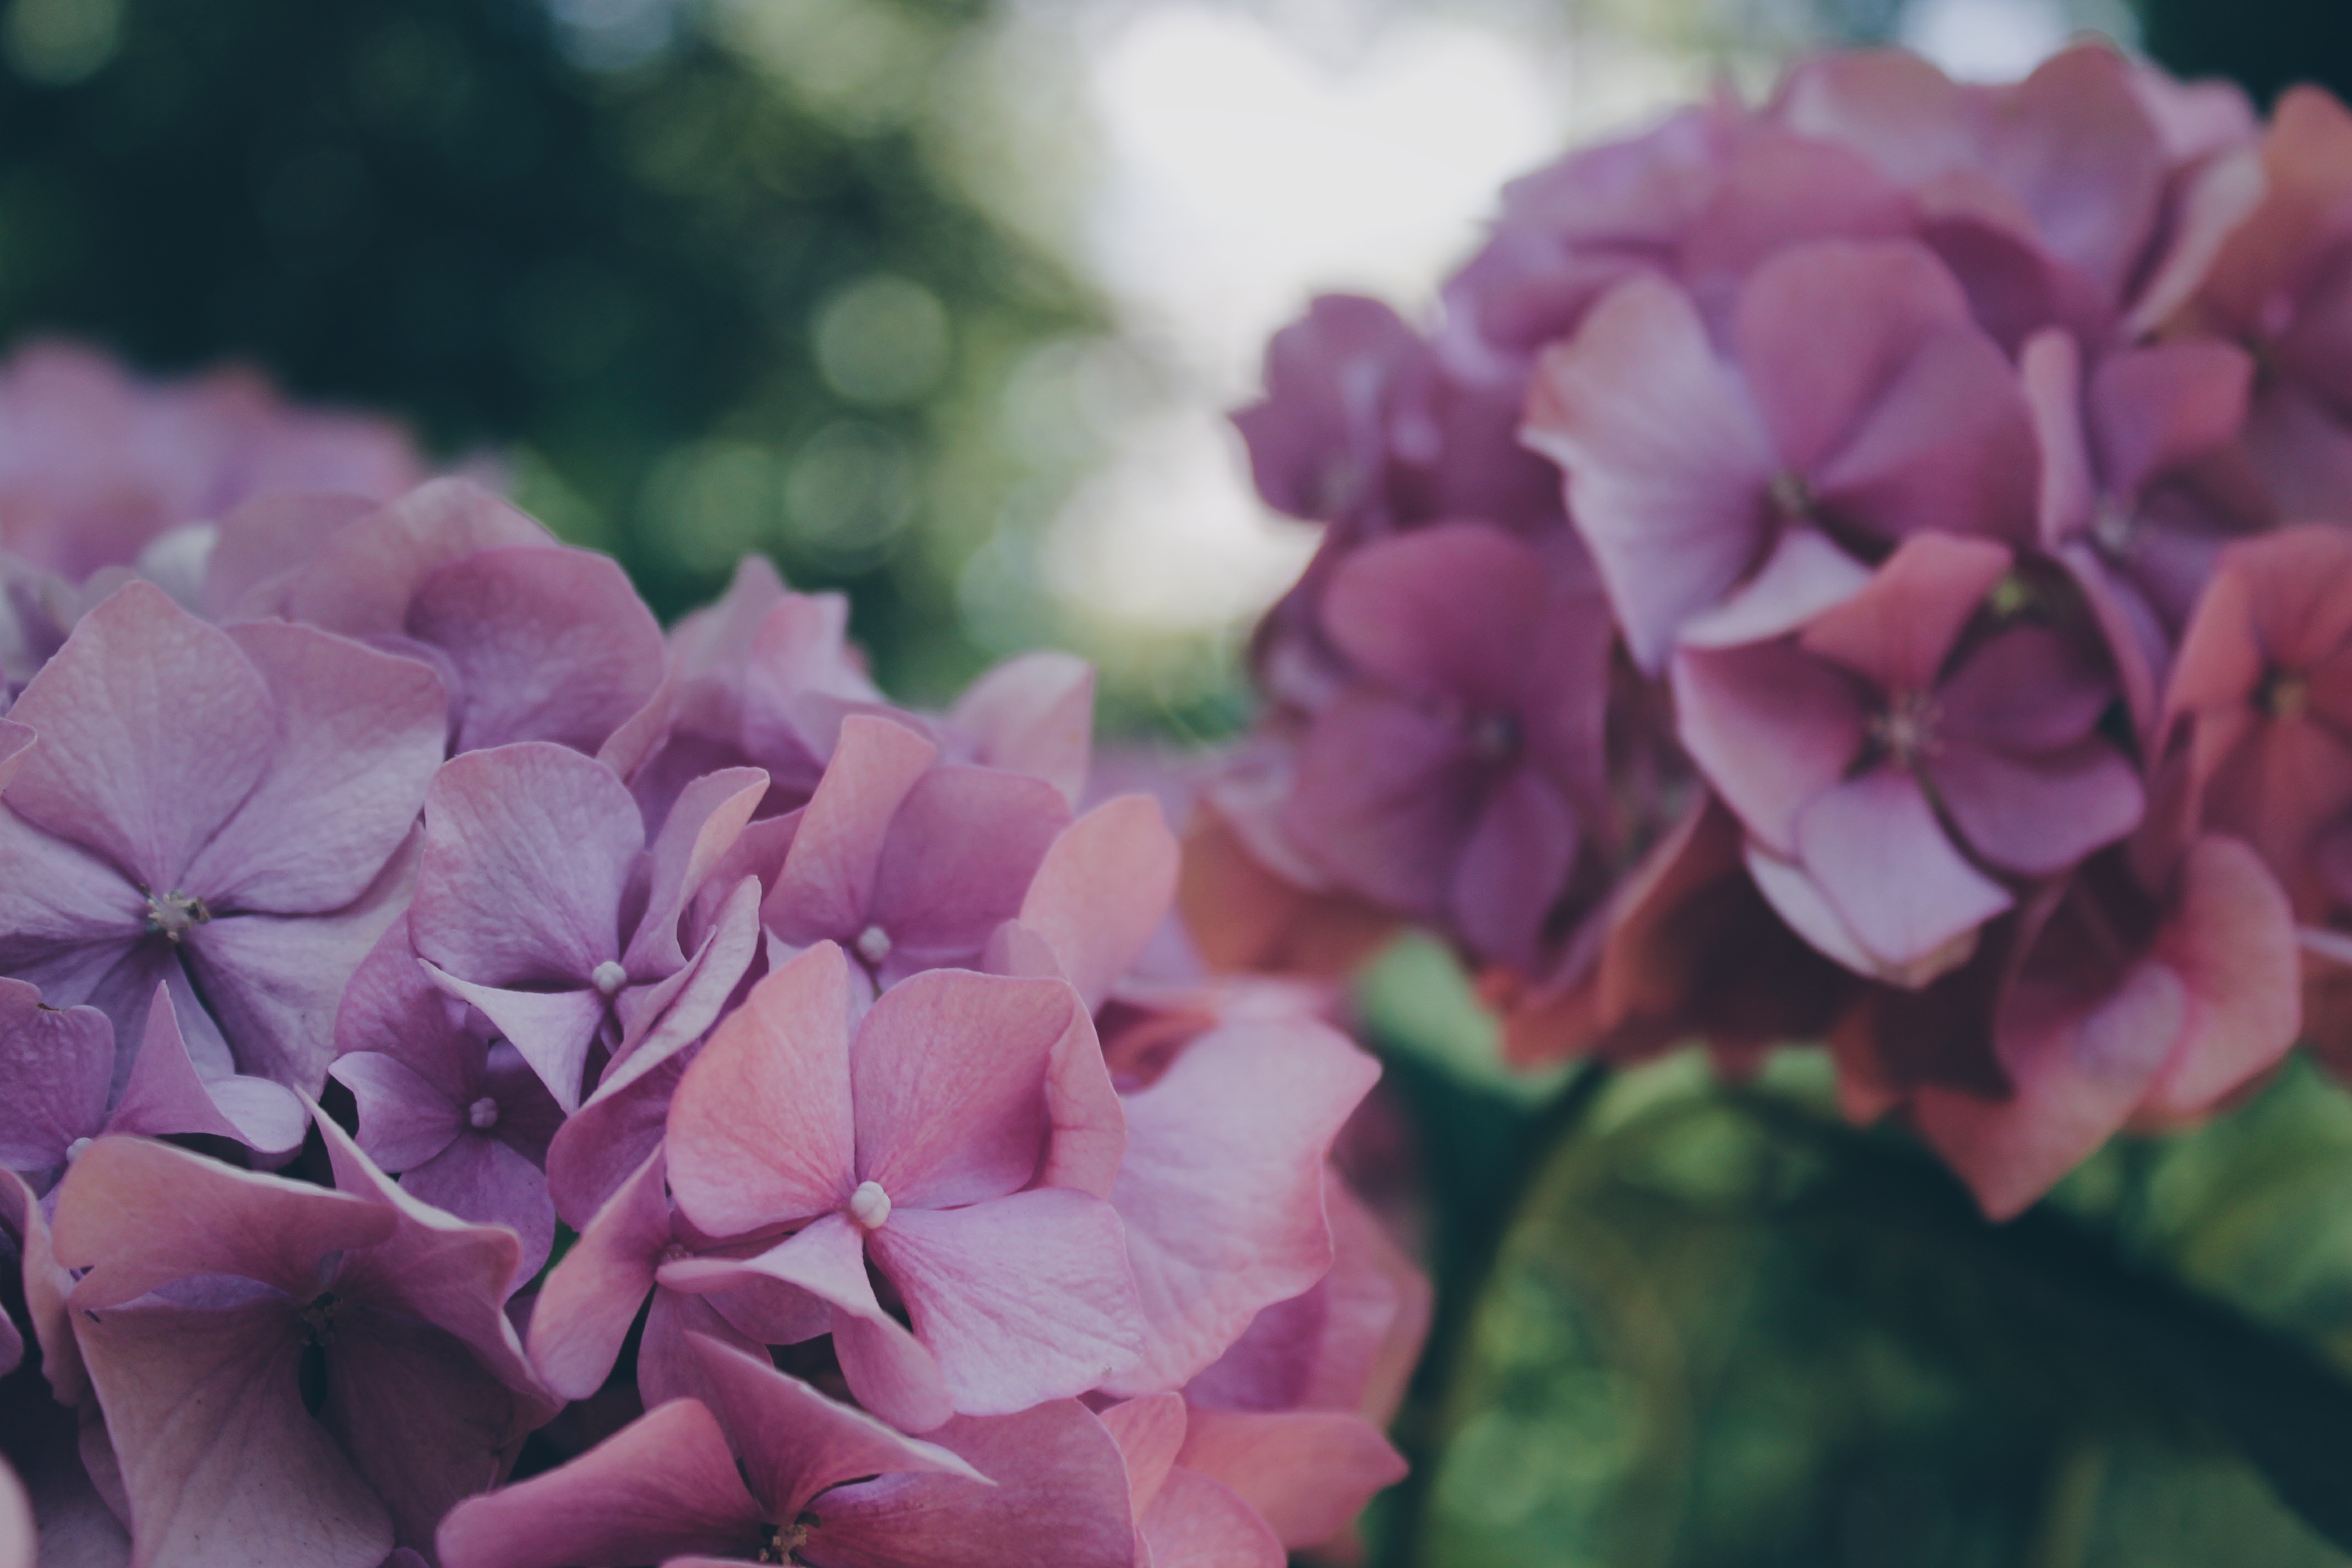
942 302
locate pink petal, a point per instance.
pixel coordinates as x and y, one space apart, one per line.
1779 190
1884 863
359 736
17 1540
663 1487
2049 376
1898 631
362 583
1034 714
760 1130
2229 937
796 1443
1307 1473
260 545
2038 815
16 743
1771 728
1221 1189
153 728
668 1367
1665 461
528 850
826 888
1442 610
1386 795
1059 1501
1019 1298
138 1215
695 994
1102 890
1198 1521
221 1463
55 1065
591 1298
549 645
592 1153
948 1081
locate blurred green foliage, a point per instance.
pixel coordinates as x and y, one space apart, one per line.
689 263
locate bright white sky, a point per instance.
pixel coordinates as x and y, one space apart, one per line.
1237 174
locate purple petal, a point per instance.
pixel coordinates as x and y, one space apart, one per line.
1883 862
1769 727
944 882
483 1180
554 1030
55 1065
1448 610
362 583
358 734
1666 463
221 1465
948 1079
153 728
663 1487
1515 868
2041 814
1033 714
15 743
549 645
703 824
404 1119
596 1147
528 851
166 1096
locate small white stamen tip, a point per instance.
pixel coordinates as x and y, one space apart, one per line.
873 944
869 1205
608 977
483 1114
74 1149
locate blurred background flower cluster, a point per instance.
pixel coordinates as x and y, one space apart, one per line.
942 302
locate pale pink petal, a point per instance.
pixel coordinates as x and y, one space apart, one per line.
1034 714
1307 1473
1884 863
549 645
1771 728
760 1129
1102 890
948 1082
221 1465
1149 1432
591 1298
1666 463
358 737
1221 1189
1019 1298
663 1487
154 727
1059 1501
137 1215
796 1443
528 850
1198 1521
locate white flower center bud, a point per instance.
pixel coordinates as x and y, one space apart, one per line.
74 1149
483 1114
873 944
608 977
869 1205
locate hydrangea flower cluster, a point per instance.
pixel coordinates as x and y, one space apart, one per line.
1869 568
448 1023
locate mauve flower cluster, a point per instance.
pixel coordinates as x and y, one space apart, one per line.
1867 568
894 1218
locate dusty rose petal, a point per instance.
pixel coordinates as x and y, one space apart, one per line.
1102 890
1307 1473
1900 629
827 885
1034 714
591 1298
